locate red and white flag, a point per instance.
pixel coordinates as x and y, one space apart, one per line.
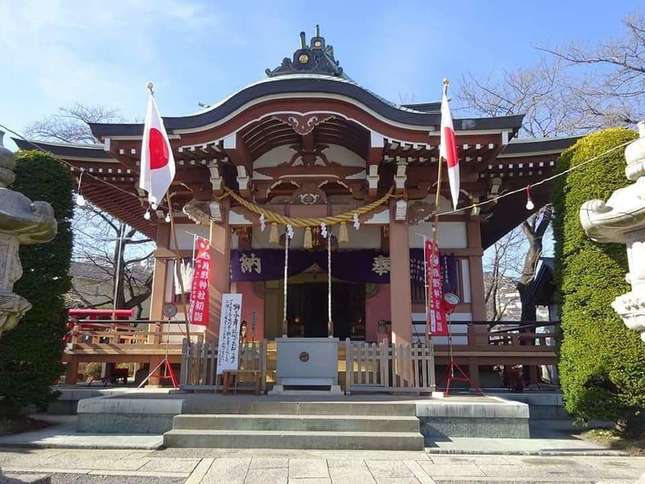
448 149
157 169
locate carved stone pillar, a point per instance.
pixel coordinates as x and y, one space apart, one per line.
21 222
622 219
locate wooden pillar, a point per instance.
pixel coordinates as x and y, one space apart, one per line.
532 374
219 278
155 379
71 371
473 373
160 273
400 291
476 334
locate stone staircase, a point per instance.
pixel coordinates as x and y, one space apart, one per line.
301 425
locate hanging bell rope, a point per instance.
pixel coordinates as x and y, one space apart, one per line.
274 217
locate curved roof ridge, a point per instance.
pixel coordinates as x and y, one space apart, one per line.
314 85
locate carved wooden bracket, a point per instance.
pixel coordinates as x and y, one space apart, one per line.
303 124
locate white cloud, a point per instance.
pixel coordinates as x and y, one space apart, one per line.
61 52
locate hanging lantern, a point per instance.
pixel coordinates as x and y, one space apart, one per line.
80 199
529 203
167 219
146 215
308 242
273 234
343 236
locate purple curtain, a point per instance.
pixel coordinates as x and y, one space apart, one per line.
364 265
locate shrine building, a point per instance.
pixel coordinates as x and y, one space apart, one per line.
308 142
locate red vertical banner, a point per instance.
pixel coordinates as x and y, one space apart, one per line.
199 288
437 320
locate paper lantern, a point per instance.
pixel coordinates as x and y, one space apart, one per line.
273 234
343 236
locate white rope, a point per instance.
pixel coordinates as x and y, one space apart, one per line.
286 275
330 329
539 182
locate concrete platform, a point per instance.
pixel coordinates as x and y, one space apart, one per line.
303 421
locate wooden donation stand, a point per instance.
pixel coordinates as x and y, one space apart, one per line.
309 364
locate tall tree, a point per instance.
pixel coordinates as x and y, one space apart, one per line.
30 354
118 252
108 245
501 266
571 90
602 362
611 90
72 124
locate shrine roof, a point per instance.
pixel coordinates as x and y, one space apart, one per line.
312 72
534 146
309 85
85 151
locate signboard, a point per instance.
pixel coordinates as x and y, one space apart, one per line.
228 349
437 320
199 288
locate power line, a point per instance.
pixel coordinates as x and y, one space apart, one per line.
524 188
68 164
448 212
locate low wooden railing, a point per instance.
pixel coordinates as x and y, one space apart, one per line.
389 367
199 366
480 334
119 333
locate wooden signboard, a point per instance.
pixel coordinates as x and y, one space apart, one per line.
228 354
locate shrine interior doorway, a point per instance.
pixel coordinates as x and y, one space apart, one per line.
307 310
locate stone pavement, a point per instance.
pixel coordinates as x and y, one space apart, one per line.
307 467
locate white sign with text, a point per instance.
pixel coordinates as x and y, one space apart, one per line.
228 349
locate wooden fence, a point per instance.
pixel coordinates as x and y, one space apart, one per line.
199 366
369 367
389 367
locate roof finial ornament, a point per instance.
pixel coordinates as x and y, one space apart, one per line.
151 87
445 85
316 58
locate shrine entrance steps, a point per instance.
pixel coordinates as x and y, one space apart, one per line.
301 425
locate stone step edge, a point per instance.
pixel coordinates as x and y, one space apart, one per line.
377 435
262 416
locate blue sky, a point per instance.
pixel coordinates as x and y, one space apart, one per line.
59 52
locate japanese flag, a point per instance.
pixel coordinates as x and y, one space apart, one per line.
157 162
448 149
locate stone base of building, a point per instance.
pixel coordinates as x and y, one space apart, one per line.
216 420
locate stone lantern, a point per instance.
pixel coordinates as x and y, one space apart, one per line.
622 219
21 222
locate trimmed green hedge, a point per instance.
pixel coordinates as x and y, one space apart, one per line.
602 363
30 354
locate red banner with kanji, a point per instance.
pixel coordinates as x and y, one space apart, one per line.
437 320
199 288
